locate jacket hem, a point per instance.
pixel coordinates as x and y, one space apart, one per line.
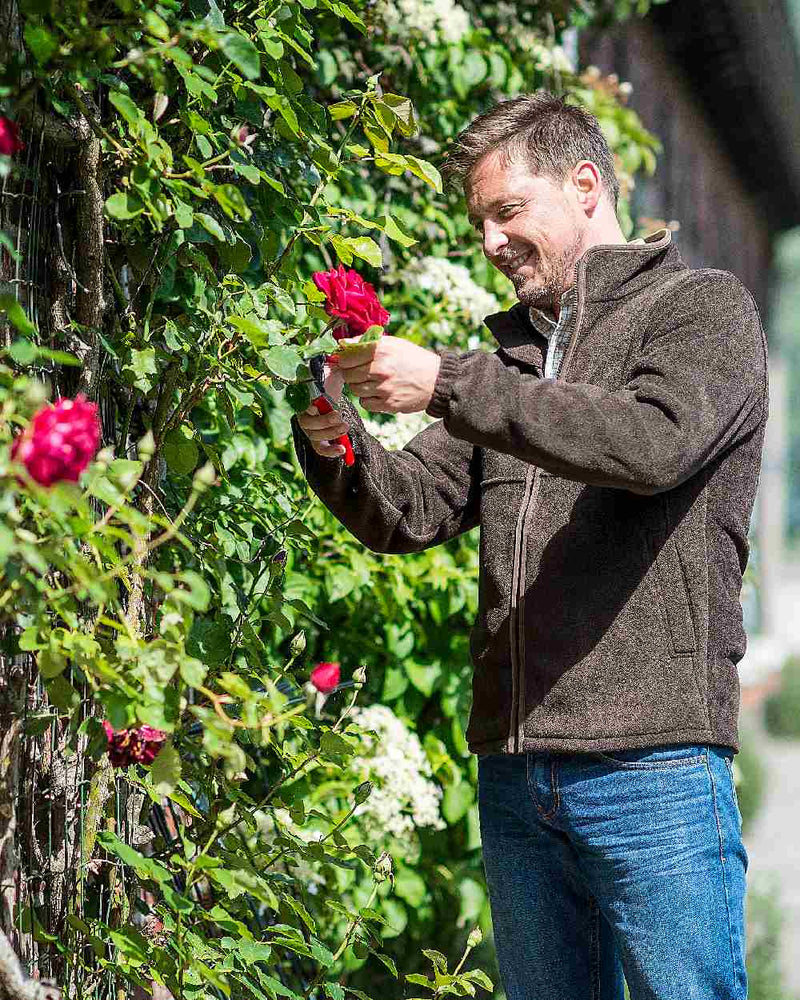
603 744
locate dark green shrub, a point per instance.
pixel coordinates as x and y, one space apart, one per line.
764 922
782 707
751 778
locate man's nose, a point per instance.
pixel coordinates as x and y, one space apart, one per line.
494 238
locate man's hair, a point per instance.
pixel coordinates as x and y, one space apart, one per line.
539 129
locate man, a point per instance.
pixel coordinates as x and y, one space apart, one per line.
610 451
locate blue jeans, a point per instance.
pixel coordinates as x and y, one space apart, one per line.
627 862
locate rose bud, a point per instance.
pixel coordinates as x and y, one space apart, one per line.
10 141
350 298
325 677
59 442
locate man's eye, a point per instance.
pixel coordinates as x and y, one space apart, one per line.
506 211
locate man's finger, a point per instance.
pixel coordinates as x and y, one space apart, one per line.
355 355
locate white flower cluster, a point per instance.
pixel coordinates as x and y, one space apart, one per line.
424 18
402 797
395 434
548 57
454 285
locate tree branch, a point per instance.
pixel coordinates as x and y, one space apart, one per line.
14 984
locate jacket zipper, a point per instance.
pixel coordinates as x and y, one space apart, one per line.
517 609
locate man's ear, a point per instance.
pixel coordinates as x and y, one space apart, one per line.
587 182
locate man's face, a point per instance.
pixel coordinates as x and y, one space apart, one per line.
532 230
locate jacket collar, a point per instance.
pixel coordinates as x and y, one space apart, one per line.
603 273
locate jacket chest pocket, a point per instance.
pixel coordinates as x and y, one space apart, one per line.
671 580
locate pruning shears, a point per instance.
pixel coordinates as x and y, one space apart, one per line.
323 402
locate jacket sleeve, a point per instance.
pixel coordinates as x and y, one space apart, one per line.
697 383
396 501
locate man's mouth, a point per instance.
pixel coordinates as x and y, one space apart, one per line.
513 266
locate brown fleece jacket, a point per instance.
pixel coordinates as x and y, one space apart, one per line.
613 501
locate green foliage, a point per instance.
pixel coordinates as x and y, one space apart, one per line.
782 706
764 923
191 583
750 778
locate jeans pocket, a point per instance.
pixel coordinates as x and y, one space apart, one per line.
729 765
651 758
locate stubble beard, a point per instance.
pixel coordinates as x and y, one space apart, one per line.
558 276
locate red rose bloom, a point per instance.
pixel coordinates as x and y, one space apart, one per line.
352 299
325 677
60 441
133 746
10 141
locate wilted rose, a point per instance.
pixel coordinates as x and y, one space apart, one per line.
352 299
133 746
60 441
10 141
325 677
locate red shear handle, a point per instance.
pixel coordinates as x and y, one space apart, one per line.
323 406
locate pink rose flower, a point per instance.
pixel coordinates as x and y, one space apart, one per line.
352 299
10 141
60 441
325 677
133 746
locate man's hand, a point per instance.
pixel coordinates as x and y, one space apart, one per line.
322 429
391 375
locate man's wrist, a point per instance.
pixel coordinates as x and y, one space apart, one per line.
443 387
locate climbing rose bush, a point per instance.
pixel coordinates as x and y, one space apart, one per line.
60 441
352 299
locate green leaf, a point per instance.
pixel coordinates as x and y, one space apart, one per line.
23 352
342 109
474 68
143 366
334 747
388 962
242 53
210 641
210 224
231 201
198 595
479 977
340 581
394 232
51 663
180 451
334 991
16 315
62 694
41 42
283 362
426 171
166 770
123 205
457 801
366 248
146 868
126 107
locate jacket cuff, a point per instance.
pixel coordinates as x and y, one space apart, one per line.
443 387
